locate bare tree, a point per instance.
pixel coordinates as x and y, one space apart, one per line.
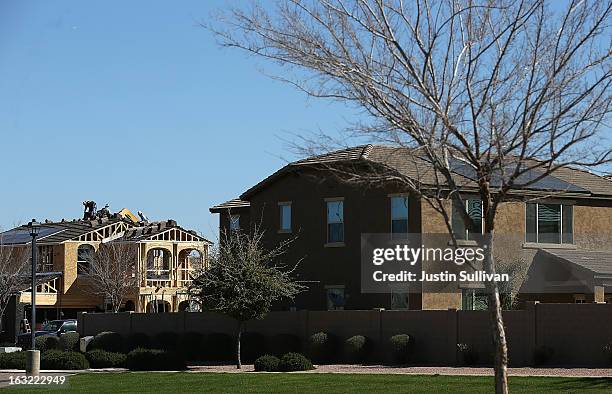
15 269
113 272
496 92
242 279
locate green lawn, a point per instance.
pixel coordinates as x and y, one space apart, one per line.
313 383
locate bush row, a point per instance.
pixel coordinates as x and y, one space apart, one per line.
51 359
322 347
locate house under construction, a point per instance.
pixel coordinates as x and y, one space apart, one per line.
167 256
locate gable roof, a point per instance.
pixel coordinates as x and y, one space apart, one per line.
57 232
408 163
155 231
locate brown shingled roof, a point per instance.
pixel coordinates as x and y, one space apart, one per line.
231 204
406 162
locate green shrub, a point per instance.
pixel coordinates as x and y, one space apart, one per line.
295 362
166 340
192 346
154 360
401 346
56 359
467 354
47 342
323 347
99 358
138 340
107 340
219 347
267 363
357 349
15 360
252 345
69 342
280 344
542 354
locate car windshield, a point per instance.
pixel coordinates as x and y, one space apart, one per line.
52 326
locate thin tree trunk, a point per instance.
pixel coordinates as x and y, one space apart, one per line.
497 321
238 336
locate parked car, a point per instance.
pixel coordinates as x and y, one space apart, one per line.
52 327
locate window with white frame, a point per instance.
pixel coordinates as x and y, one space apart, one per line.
284 209
399 214
549 223
335 221
234 222
473 208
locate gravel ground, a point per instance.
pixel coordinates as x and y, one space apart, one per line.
381 369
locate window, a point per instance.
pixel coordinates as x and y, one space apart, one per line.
335 221
84 256
579 299
473 300
474 211
399 215
234 222
549 223
335 298
284 209
399 300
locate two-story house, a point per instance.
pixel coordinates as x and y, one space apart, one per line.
561 227
167 256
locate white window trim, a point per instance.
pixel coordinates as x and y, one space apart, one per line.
391 197
537 233
282 230
327 223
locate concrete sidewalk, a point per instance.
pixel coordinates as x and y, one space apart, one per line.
468 371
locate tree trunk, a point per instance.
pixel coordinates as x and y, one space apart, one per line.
238 336
497 321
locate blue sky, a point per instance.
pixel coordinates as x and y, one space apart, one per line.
132 104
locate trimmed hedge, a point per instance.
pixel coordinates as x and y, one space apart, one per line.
191 346
56 359
45 343
401 346
252 346
280 344
219 347
154 360
267 363
138 340
357 349
166 340
107 340
99 358
15 360
323 347
295 362
69 342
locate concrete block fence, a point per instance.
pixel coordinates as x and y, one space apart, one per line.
576 332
